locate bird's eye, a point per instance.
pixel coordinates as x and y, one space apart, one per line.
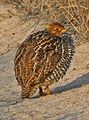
56 29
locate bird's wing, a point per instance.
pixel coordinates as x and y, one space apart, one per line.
47 55
23 62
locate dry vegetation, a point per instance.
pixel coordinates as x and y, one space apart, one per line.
74 14
18 18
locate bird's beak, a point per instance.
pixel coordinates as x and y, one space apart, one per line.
64 30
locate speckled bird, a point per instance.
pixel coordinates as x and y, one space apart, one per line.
43 58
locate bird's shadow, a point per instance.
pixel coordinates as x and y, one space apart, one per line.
80 81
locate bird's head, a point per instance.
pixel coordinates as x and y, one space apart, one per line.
55 28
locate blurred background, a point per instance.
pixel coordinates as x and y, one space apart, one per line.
34 14
18 19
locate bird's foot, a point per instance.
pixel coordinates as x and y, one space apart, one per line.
41 92
46 91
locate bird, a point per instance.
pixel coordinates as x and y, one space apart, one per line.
43 59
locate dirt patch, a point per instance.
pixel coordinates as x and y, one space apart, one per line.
70 98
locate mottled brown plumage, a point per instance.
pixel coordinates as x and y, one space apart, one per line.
43 58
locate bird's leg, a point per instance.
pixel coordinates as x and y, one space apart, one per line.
47 90
41 91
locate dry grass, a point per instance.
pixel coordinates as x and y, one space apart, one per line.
72 13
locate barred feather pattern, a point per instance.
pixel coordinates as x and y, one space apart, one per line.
68 50
42 59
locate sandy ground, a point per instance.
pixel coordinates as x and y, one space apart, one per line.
70 98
